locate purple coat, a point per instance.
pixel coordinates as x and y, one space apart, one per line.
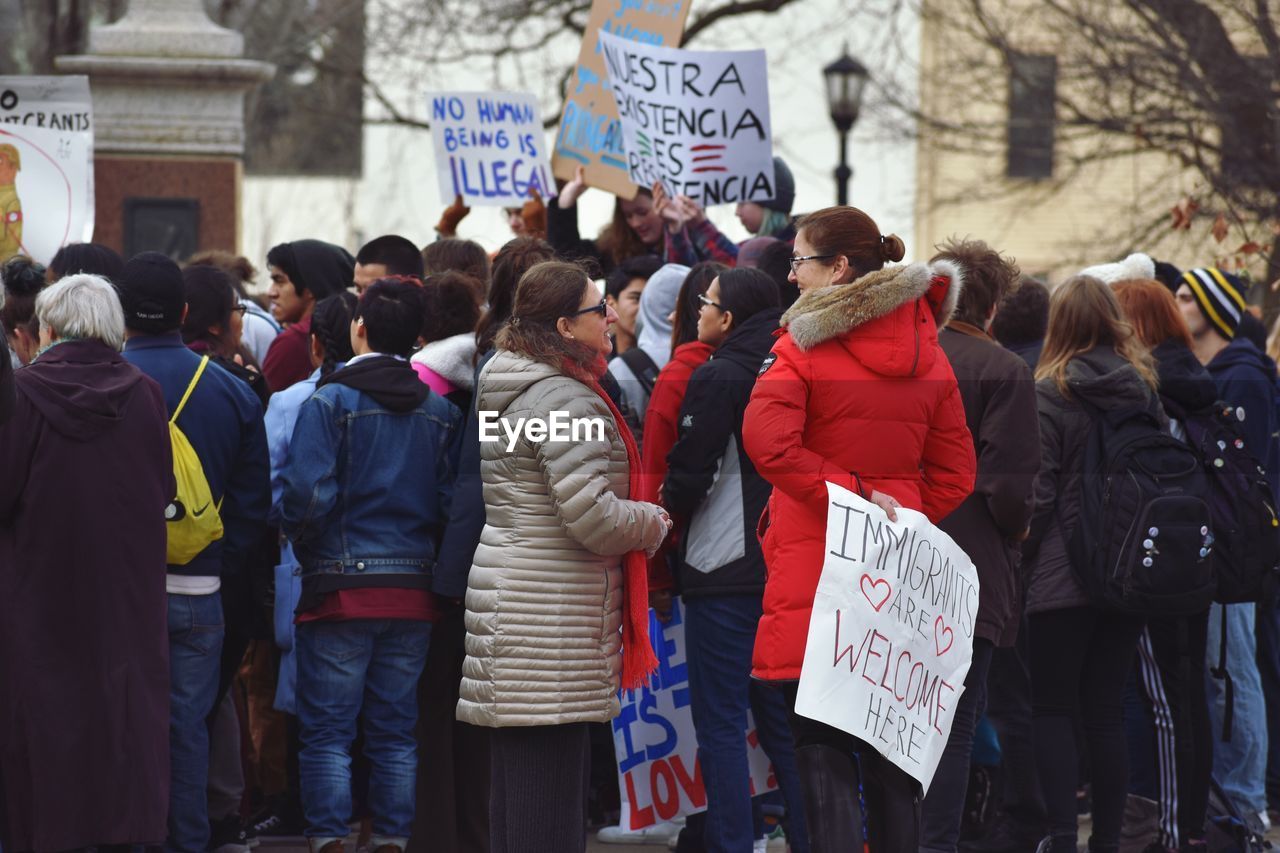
85 475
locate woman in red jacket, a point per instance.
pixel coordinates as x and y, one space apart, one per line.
855 392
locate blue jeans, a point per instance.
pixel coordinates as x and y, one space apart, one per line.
343 668
720 632
195 654
1239 765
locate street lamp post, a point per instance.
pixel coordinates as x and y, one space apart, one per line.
846 79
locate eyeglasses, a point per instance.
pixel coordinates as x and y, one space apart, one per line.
705 301
602 309
797 261
240 308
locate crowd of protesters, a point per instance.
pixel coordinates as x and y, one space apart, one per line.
260 576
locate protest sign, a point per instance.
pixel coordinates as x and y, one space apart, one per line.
489 147
590 134
696 120
46 165
653 737
891 635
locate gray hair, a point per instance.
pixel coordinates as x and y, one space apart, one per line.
82 306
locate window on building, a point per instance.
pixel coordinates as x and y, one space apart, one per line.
1032 84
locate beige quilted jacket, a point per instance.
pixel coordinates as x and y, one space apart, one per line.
544 598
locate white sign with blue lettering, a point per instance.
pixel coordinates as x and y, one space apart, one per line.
490 147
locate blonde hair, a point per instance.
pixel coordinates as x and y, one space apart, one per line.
1084 314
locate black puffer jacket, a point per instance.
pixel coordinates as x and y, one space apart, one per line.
710 479
1106 380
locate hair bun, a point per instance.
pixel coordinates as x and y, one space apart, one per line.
892 248
22 276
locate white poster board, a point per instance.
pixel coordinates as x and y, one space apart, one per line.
891 635
659 776
490 147
46 165
696 120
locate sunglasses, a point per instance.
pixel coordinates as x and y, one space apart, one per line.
602 309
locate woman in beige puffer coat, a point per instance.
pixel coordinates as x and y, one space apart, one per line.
545 597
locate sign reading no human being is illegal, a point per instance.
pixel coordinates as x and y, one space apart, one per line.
695 120
891 635
490 147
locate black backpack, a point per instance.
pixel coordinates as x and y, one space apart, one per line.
1143 543
1246 530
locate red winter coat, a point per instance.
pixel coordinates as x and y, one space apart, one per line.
660 432
858 393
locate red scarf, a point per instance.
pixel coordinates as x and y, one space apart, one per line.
638 659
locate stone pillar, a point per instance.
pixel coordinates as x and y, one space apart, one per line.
168 108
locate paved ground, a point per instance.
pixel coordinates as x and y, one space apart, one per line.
594 846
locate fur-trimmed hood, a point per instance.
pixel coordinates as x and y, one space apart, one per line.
896 313
451 358
829 312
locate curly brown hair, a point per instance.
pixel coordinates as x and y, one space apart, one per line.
547 292
988 277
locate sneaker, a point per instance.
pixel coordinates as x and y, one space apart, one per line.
657 833
1259 823
1005 836
277 823
227 835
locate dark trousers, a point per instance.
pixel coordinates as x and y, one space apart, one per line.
891 797
1268 628
452 813
1171 678
1080 658
944 807
1009 710
538 800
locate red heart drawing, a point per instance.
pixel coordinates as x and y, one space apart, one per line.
938 635
875 585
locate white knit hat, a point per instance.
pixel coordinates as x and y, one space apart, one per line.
1136 265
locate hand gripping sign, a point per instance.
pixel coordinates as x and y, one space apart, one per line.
891 635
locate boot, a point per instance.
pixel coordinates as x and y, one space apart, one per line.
829 782
893 800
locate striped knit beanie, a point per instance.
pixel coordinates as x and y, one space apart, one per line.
1220 296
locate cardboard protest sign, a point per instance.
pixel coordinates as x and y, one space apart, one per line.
657 750
489 147
590 134
891 636
46 165
696 120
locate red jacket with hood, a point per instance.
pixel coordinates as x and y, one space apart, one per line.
856 392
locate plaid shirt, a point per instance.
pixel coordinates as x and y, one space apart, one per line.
701 241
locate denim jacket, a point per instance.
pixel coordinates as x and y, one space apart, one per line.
369 478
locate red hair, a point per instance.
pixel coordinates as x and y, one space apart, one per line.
1152 311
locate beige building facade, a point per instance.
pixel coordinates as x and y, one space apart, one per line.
1001 159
